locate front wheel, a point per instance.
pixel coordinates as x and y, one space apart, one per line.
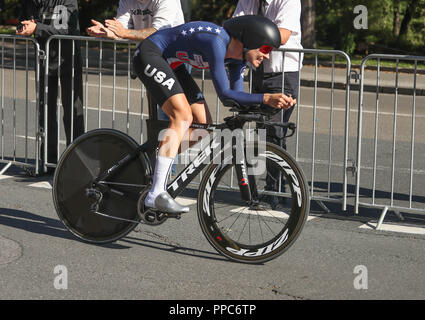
266 227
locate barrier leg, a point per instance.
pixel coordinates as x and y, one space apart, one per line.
398 214
381 218
323 206
5 168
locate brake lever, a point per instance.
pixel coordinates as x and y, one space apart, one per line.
289 125
292 126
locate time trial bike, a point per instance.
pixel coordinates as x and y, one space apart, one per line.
102 178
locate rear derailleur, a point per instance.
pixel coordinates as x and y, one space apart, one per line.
147 215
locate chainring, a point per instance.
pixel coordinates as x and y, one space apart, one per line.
147 215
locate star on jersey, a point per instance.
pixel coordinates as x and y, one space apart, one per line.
200 28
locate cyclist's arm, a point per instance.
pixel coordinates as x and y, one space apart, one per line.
215 50
224 92
236 74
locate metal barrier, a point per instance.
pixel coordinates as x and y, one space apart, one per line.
325 169
390 153
110 60
321 145
331 186
18 116
315 162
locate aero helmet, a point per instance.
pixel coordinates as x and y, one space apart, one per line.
254 31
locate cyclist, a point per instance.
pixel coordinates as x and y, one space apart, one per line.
243 40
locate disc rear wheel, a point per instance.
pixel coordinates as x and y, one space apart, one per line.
85 159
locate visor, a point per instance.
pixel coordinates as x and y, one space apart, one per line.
266 49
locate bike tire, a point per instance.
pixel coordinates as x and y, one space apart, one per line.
219 201
87 157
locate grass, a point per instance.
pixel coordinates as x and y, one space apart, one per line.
7 30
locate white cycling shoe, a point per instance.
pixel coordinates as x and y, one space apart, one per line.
165 203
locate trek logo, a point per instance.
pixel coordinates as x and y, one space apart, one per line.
159 77
140 12
195 164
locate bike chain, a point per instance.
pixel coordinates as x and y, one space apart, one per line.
147 216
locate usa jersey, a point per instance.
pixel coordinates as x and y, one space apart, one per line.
203 45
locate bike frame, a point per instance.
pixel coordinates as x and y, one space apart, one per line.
175 187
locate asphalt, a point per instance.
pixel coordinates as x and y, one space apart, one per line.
175 261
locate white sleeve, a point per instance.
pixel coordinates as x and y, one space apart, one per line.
289 15
164 12
241 9
124 15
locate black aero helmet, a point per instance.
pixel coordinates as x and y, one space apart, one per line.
253 31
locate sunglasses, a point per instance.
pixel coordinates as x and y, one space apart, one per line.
266 49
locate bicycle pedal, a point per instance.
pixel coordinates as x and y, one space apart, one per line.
173 215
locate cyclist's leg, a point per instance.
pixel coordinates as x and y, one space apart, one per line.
199 107
178 110
161 82
201 114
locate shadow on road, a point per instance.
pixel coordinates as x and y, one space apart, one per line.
366 194
177 249
31 222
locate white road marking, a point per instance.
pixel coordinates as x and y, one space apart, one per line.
3 176
185 201
394 228
266 213
42 184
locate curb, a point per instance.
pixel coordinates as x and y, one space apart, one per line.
366 87
341 86
357 66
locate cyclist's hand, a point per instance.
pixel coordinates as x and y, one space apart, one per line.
278 100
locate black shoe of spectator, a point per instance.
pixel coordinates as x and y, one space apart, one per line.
274 201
